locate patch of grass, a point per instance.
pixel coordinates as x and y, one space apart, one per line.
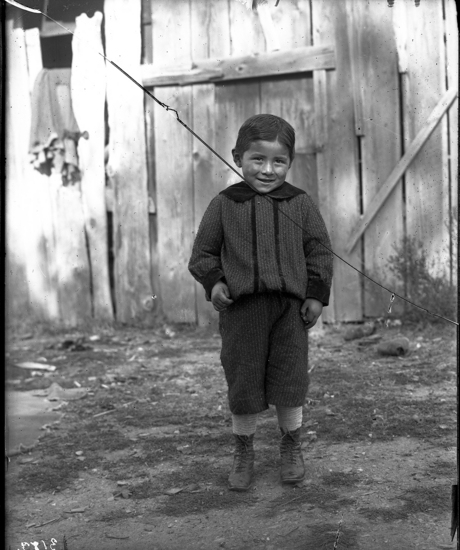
423 281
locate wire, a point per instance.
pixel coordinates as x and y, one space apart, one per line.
168 108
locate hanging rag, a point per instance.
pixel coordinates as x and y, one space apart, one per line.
54 131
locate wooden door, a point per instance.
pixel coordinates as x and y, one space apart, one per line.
188 175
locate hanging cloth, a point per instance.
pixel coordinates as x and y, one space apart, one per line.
54 131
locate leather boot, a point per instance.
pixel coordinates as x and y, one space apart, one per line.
292 465
240 477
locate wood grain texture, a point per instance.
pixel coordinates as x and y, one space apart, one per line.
292 21
377 119
173 164
426 185
152 198
384 192
246 33
127 162
73 265
171 32
175 205
355 34
271 35
308 58
323 166
34 55
338 168
210 29
88 99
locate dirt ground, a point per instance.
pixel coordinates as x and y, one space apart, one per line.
139 456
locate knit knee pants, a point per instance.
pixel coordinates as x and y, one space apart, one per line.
264 352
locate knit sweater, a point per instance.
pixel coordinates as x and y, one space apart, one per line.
263 243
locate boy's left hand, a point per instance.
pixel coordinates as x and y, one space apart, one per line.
310 311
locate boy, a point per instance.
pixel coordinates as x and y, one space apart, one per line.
259 257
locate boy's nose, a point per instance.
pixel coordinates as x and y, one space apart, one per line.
267 168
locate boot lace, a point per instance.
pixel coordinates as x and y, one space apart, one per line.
290 449
242 455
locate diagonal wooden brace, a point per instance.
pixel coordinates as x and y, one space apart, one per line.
397 172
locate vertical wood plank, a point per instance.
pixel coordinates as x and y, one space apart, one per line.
323 166
426 185
210 26
173 164
29 291
272 38
171 32
452 80
174 176
205 180
246 33
34 55
338 171
293 22
88 99
127 161
153 216
73 271
378 77
147 44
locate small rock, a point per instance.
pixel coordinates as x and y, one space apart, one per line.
173 491
397 346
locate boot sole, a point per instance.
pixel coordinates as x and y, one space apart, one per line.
239 489
292 481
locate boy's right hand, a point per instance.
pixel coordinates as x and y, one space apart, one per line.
220 296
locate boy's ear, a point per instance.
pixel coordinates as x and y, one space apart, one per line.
236 158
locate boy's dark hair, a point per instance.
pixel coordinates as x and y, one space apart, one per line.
267 128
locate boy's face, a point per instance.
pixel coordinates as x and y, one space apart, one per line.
265 164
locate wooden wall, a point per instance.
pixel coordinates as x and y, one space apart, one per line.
357 101
353 125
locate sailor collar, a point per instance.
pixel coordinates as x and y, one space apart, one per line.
241 192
